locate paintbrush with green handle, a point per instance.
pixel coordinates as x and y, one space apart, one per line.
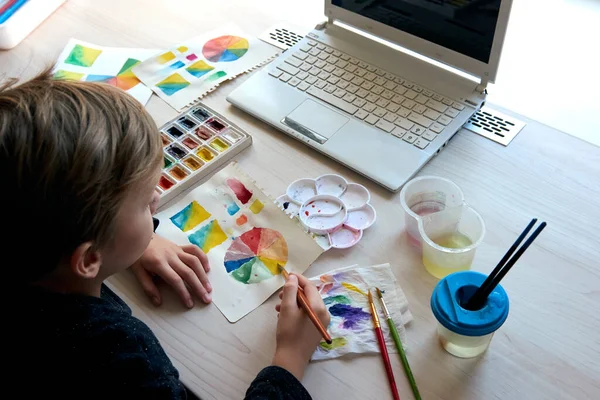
396 337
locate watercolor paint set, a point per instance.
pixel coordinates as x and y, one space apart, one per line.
196 144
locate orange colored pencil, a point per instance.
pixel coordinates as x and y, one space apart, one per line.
306 306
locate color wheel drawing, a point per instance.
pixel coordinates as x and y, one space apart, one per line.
125 79
172 84
253 257
225 48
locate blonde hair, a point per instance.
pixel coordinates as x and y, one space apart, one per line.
70 152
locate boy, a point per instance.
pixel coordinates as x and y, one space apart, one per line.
79 163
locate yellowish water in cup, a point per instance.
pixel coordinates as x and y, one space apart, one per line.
454 240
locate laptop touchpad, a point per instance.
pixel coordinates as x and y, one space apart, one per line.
315 121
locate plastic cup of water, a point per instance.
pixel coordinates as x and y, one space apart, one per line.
450 238
466 333
423 196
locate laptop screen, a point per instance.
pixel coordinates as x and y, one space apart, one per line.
465 26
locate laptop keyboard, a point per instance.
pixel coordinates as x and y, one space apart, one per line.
393 104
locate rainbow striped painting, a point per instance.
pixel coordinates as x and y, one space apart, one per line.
172 84
199 69
190 217
61 74
208 237
82 56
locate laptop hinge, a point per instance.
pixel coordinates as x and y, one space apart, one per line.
482 87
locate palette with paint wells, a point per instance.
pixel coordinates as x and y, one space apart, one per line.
196 144
335 211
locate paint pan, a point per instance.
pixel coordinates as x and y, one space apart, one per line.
175 131
168 161
165 182
166 140
204 132
187 122
201 114
189 142
179 173
216 124
192 163
232 135
176 151
219 144
206 154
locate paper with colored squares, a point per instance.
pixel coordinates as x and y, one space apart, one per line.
84 61
245 236
184 73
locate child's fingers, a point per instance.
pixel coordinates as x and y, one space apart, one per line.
147 283
194 263
278 307
174 280
281 295
196 251
290 293
310 290
182 266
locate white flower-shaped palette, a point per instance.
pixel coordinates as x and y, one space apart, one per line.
335 211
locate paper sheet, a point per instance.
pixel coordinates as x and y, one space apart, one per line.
245 236
84 61
351 326
184 73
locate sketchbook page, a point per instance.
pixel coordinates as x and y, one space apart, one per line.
187 71
245 236
83 61
351 327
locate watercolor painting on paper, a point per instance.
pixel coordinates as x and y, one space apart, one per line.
245 236
344 292
184 73
82 61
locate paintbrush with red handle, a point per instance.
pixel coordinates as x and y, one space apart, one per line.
306 306
382 346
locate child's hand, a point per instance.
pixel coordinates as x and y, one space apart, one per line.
176 265
297 337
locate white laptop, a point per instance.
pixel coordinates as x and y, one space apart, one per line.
374 108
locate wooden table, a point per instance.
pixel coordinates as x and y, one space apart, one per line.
549 348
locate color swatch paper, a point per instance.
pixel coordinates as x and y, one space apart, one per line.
244 246
202 63
111 65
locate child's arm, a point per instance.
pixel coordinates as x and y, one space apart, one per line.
177 266
297 339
